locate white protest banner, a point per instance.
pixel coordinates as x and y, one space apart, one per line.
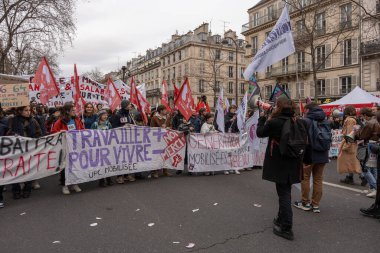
91 90
96 154
278 45
26 159
124 89
222 151
66 93
337 138
250 128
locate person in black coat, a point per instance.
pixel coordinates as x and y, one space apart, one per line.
230 120
282 171
123 116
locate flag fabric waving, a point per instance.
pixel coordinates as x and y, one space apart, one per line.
142 104
133 94
220 112
176 92
241 113
227 106
277 92
253 88
165 96
185 101
78 99
111 95
278 45
44 78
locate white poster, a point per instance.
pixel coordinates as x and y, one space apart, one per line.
26 159
96 154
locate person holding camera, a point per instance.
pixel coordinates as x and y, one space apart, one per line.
281 165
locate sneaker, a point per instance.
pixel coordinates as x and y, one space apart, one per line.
207 174
237 172
232 171
16 195
109 182
36 185
226 172
1 204
372 194
316 209
65 190
155 174
303 206
102 184
284 233
120 180
131 178
76 188
373 211
248 169
167 173
26 195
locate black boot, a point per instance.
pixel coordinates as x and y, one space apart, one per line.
102 183
284 232
347 180
373 211
364 181
26 194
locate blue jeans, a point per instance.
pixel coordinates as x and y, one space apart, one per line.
371 176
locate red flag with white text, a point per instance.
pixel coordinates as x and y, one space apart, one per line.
45 79
142 105
78 99
111 95
133 94
165 96
184 101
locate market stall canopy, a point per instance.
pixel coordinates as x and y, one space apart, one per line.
358 98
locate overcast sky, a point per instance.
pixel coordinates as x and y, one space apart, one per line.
111 32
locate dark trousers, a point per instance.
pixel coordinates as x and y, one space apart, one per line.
16 188
62 178
1 193
285 213
377 202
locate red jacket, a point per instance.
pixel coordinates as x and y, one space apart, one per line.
201 104
60 125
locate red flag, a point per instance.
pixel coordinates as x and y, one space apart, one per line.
78 99
111 95
176 92
45 79
201 104
185 101
165 96
133 94
142 105
302 107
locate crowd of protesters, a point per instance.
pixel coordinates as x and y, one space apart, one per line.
308 164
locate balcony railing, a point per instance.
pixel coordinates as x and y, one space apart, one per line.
262 20
291 69
371 47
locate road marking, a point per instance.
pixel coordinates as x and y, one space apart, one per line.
342 187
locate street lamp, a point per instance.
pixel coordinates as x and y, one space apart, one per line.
124 68
225 42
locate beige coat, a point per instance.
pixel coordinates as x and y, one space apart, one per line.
347 161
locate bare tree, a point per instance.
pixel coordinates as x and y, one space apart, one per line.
96 75
321 32
32 28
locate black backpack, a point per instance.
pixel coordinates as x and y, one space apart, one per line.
320 135
293 139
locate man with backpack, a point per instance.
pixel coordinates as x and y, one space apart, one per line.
316 157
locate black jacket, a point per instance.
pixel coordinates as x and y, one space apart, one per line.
276 168
311 156
230 124
3 126
121 118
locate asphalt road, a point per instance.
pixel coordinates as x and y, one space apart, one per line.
227 220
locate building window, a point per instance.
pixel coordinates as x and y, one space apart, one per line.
268 91
201 87
230 87
173 73
217 86
242 89
321 87
301 60
230 56
168 60
180 55
321 57
270 11
300 90
346 84
180 71
186 69
230 71
285 86
321 24
173 57
218 54
345 16
300 24
255 19
163 62
168 74
254 45
285 64
201 68
201 52
347 53
242 69
304 3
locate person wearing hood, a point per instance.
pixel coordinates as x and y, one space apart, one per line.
122 118
230 120
314 160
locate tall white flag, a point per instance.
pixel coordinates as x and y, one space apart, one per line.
278 45
241 112
220 110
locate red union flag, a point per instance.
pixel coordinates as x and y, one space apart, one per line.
184 101
133 94
165 96
142 105
44 78
78 99
111 95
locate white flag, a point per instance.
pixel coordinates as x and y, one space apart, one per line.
227 104
278 45
241 112
220 110
120 84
